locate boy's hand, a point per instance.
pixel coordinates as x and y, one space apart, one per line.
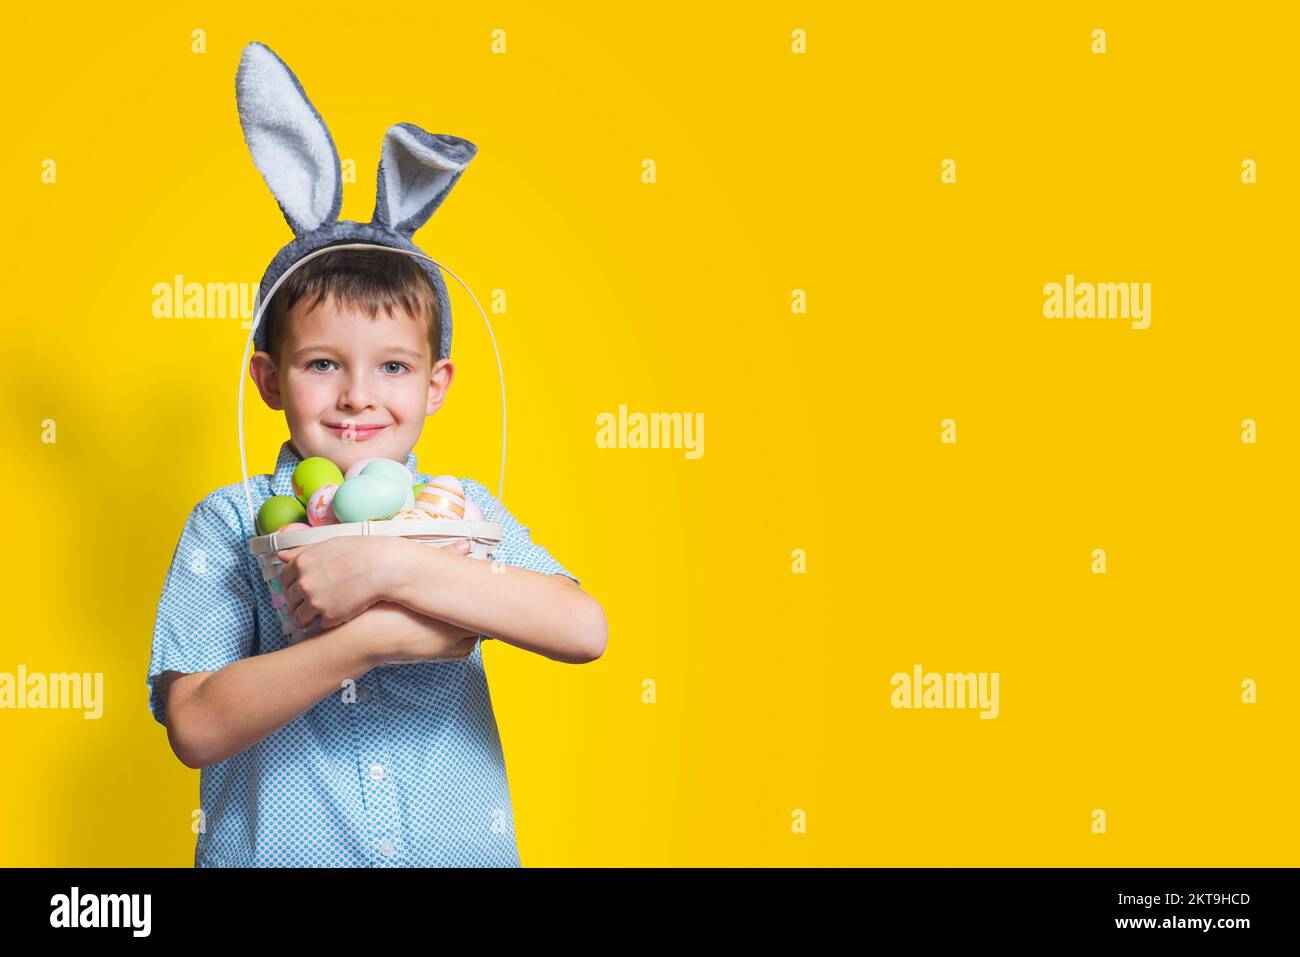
339 578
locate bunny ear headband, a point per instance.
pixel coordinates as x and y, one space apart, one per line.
293 150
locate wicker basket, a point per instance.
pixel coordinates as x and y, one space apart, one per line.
483 537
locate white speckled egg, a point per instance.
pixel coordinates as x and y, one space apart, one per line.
411 514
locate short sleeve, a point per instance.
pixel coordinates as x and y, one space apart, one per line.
207 613
517 546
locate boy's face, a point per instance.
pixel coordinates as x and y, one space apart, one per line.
350 387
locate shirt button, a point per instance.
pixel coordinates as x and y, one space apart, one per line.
376 772
387 848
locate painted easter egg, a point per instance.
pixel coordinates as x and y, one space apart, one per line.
278 511
443 497
373 497
411 515
311 474
318 506
418 488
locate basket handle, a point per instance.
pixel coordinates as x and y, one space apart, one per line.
257 318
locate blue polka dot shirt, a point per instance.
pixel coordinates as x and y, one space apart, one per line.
410 773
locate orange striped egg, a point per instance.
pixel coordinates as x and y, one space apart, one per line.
442 498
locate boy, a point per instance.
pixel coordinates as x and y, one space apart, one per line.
316 754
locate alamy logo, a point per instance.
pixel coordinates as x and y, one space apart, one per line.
1100 300
102 910
179 299
56 690
946 690
657 430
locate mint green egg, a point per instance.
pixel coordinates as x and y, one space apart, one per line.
311 474
389 468
278 511
367 496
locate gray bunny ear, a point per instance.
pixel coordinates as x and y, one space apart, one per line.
416 172
290 143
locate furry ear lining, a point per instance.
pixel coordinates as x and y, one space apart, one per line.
416 172
290 144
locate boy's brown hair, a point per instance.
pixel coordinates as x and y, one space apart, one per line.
371 280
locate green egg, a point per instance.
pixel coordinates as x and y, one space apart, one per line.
311 474
278 511
388 468
417 489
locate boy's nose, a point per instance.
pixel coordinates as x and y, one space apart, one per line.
356 395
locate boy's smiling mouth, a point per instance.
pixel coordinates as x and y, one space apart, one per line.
358 432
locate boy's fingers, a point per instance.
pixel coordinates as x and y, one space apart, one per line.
288 574
303 615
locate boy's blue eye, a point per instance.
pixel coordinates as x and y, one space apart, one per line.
400 365
313 364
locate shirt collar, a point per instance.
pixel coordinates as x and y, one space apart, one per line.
282 480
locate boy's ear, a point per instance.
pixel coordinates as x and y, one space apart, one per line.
439 382
262 368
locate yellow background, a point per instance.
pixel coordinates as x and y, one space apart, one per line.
775 172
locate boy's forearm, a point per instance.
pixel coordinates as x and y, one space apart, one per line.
545 614
217 715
